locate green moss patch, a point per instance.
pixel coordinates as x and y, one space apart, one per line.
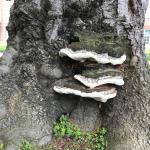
100 43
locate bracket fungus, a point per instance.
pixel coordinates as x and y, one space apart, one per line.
96 84
98 77
69 86
92 83
82 55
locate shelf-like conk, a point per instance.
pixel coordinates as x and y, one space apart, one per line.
82 55
94 78
70 86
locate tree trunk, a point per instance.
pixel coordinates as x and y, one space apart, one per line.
31 65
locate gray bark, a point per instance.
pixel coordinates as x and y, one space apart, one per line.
38 29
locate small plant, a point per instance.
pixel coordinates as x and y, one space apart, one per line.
64 128
69 137
1 146
25 145
98 139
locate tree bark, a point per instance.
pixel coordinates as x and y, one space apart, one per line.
31 64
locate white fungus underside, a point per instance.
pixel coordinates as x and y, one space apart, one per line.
92 83
82 55
102 96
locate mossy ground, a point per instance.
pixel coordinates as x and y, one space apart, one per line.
147 52
68 136
2 46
